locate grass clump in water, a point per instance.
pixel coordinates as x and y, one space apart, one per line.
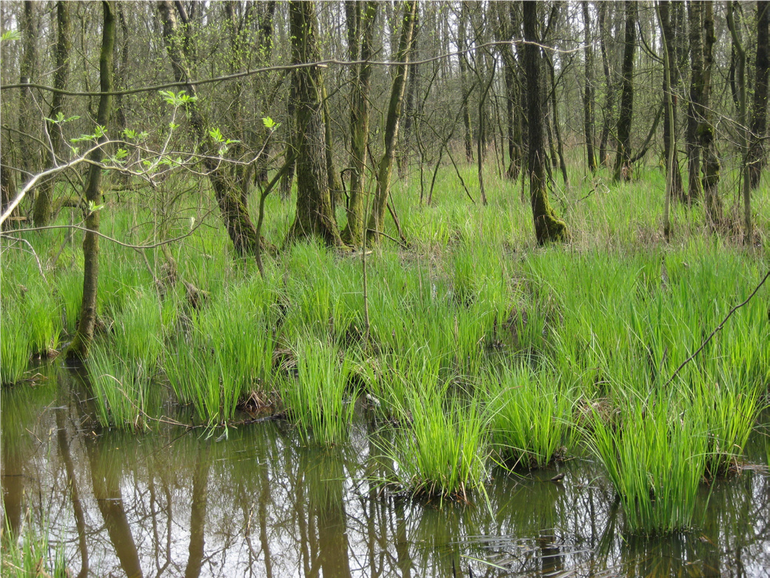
442 452
530 415
14 350
120 389
655 459
318 400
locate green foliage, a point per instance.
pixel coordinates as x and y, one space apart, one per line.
318 400
655 457
530 415
442 448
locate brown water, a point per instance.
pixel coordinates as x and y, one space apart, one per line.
178 503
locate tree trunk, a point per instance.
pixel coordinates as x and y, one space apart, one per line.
609 96
623 168
588 92
711 164
670 144
235 215
462 46
27 114
43 207
360 33
695 105
547 226
314 216
669 118
740 55
759 108
385 166
85 332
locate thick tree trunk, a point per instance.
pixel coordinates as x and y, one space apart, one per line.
85 332
547 226
234 213
623 168
759 108
314 216
588 92
43 208
360 34
385 166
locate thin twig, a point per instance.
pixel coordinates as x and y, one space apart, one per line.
718 328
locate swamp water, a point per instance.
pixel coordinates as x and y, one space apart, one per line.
177 502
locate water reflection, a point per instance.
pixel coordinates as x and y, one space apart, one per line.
176 503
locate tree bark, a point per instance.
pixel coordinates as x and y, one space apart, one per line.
385 166
85 331
609 95
740 55
588 92
462 57
547 226
43 207
314 216
360 34
711 164
623 168
669 118
27 118
695 105
759 109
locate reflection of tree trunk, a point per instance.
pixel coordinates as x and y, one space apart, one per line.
198 515
547 226
314 216
402 540
106 485
264 501
72 483
85 332
385 166
44 200
623 157
12 484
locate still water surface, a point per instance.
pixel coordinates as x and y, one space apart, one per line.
178 503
